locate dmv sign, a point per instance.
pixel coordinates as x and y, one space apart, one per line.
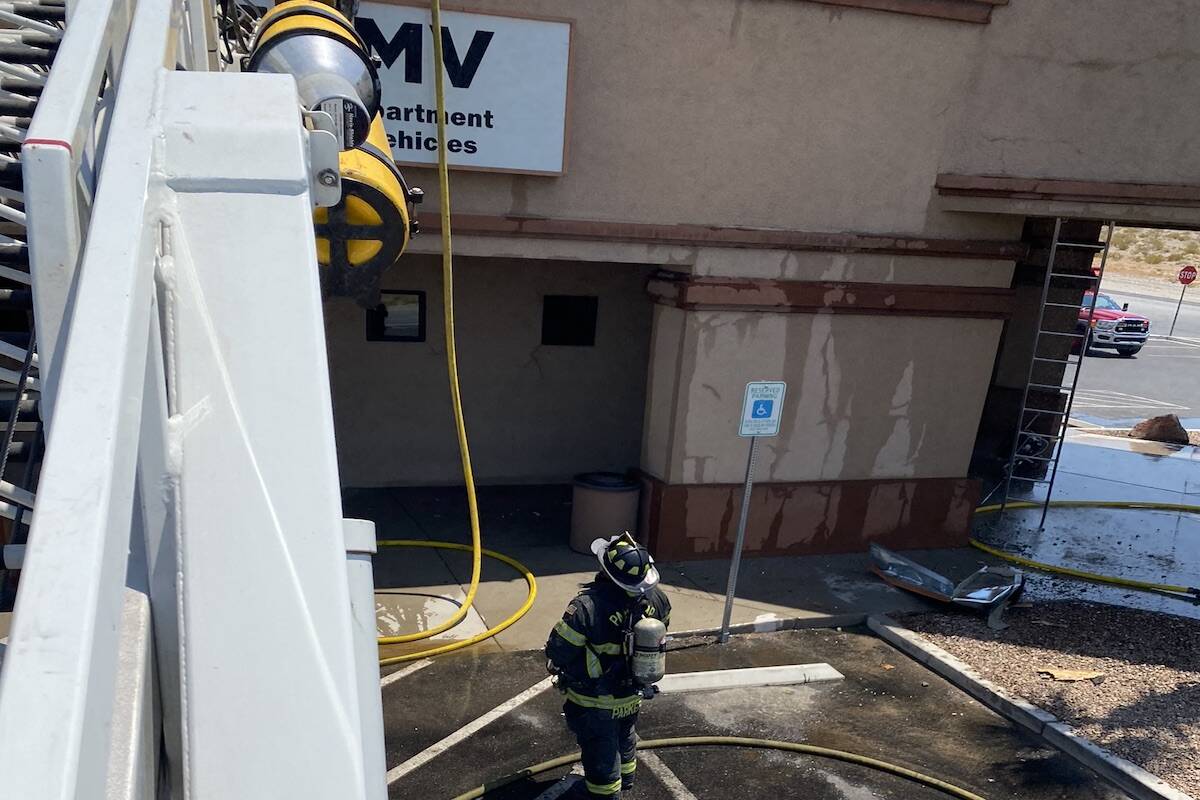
505 83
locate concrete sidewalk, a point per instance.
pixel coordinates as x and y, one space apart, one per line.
417 589
1147 545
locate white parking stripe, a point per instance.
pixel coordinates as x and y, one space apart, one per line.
1126 395
1185 342
1105 398
661 771
471 728
404 672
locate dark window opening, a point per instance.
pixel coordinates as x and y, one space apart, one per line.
569 320
399 317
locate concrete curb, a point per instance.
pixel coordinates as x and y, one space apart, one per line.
747 678
1125 775
782 624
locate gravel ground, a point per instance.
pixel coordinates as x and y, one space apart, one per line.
1145 707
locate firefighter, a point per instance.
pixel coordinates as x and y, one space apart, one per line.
589 652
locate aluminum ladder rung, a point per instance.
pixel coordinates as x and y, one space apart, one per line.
1075 306
1036 458
1069 335
1057 361
1046 411
1047 436
1076 277
1059 386
1084 245
1031 480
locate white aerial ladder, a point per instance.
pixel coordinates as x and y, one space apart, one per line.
195 618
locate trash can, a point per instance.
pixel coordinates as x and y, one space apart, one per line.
604 504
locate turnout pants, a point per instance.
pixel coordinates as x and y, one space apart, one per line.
608 745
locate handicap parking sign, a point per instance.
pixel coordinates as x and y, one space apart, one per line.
762 408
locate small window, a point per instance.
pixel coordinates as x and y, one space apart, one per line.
399 317
569 320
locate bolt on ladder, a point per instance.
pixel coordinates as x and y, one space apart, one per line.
1032 448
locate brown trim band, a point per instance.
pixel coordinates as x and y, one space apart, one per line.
706 236
1153 194
801 518
816 297
977 11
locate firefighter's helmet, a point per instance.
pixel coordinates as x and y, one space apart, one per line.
628 563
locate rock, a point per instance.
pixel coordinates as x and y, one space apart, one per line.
1166 428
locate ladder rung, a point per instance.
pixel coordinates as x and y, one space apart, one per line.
1046 436
1058 361
18 107
19 54
1069 335
1064 305
1030 480
1046 411
1060 387
48 13
11 175
1035 458
1085 245
1076 277
16 300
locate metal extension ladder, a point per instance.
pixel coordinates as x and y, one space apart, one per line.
28 46
1041 431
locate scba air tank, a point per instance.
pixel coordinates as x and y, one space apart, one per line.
649 654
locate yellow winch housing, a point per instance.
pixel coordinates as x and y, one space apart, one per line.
370 227
332 66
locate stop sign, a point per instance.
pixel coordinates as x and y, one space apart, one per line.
1187 275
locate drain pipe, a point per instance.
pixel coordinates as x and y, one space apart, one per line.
359 536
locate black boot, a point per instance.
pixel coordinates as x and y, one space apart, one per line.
578 791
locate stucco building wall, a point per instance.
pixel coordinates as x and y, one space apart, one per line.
535 414
832 195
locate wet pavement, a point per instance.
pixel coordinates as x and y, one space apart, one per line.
1146 545
888 707
418 588
1164 378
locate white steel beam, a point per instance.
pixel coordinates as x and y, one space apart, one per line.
59 678
265 624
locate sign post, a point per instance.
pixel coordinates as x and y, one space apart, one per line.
762 408
1186 276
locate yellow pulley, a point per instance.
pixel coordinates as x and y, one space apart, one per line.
369 228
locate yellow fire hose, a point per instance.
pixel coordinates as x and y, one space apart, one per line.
737 741
1145 586
530 581
476 547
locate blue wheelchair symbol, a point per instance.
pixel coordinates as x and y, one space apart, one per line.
762 409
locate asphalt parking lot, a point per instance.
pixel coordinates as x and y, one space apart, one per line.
1164 378
888 707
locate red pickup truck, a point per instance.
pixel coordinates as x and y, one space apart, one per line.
1112 326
